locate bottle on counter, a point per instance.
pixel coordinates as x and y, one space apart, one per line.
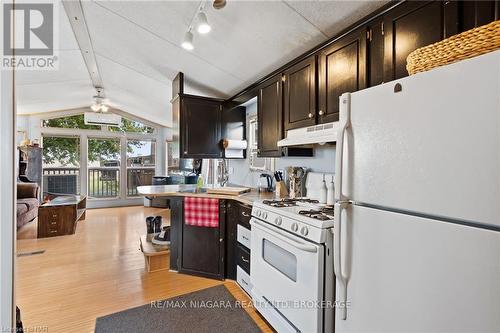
323 191
199 183
330 193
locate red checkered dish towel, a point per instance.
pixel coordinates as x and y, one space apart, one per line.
201 212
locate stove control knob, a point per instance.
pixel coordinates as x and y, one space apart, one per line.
264 215
278 220
258 212
304 231
295 227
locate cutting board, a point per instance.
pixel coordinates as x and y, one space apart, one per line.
228 190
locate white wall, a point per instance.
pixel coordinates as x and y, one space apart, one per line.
7 195
323 161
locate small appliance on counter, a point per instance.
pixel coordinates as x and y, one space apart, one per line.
162 180
266 183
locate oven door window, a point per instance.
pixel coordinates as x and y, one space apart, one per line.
280 259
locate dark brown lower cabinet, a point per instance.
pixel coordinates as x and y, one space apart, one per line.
243 257
202 248
237 214
176 222
231 238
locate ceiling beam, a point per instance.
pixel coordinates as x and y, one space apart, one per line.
74 11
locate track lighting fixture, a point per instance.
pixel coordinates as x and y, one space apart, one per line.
203 26
187 43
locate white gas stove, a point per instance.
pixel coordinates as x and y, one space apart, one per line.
292 264
303 217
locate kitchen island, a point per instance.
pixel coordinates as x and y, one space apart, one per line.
211 252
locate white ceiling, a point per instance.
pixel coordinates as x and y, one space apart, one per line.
138 53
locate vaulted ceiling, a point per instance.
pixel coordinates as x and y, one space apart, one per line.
137 47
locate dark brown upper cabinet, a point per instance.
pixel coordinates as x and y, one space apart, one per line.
412 25
233 126
269 113
477 13
300 94
200 122
342 68
375 52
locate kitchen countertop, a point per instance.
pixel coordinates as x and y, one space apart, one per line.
190 190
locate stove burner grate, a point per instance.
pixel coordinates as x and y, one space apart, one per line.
317 214
288 202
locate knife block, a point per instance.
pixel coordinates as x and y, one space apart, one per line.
281 190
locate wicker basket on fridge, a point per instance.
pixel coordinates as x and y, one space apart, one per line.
468 44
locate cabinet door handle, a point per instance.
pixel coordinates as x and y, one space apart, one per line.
245 238
53 231
321 112
244 260
310 115
245 214
185 152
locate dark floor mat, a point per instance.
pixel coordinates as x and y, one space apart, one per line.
209 310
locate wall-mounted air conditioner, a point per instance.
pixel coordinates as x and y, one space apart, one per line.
108 119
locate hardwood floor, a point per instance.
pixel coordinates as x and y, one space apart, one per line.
98 271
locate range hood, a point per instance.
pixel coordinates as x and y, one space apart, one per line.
310 135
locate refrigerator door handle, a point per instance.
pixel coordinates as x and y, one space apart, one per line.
345 107
337 257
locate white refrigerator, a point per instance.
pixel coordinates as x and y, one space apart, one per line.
417 229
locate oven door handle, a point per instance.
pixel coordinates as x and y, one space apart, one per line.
287 239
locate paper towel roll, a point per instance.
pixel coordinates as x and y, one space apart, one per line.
234 148
235 144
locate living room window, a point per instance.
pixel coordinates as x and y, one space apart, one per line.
75 121
103 156
61 165
103 162
141 163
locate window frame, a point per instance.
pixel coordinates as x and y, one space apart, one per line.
102 128
119 167
127 168
79 174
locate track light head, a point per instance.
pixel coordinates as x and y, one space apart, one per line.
203 26
187 43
